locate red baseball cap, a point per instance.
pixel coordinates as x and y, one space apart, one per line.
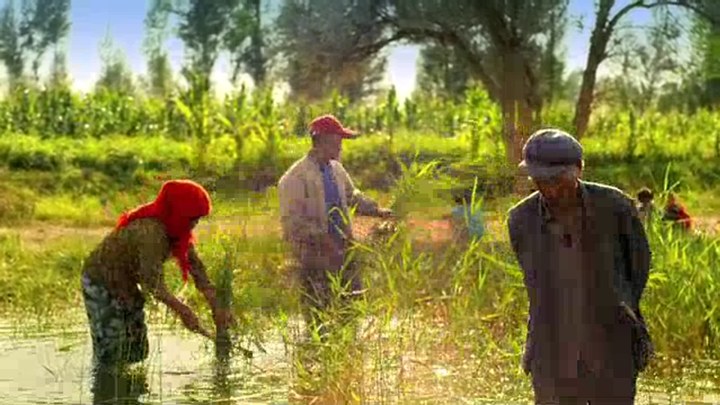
328 124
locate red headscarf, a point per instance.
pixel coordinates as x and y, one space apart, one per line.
684 217
177 204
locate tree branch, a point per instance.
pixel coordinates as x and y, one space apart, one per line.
445 36
641 4
362 52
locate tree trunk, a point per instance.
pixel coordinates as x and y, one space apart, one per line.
596 54
517 114
583 108
257 43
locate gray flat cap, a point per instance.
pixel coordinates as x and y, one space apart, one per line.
550 152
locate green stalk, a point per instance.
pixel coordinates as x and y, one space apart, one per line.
223 343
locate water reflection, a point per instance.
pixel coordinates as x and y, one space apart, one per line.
57 368
223 388
118 385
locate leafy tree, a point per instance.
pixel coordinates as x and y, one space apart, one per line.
645 64
58 70
330 44
115 74
552 63
702 81
442 72
159 72
500 40
605 26
245 40
44 24
10 45
202 26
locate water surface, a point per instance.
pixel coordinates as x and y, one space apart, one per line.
54 367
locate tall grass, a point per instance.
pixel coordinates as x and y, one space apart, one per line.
449 320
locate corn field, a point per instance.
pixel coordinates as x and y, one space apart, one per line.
255 136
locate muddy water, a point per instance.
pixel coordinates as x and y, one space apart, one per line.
55 368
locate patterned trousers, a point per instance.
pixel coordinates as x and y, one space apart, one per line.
118 331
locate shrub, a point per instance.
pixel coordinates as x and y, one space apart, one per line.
16 204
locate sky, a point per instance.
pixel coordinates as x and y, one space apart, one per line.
92 19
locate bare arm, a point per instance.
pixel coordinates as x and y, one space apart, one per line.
200 277
152 280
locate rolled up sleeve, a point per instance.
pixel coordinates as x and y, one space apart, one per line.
365 205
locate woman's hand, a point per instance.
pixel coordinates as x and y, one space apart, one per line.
192 323
187 316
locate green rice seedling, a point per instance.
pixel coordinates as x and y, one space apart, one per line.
224 297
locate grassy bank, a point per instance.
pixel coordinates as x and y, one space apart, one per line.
87 182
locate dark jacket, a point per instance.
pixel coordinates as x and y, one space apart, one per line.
617 260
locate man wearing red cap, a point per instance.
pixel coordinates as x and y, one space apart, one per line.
314 195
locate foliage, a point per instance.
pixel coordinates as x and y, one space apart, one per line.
115 74
442 71
202 26
159 72
323 44
645 64
16 204
115 135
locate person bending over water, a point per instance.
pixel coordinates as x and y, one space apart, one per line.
677 213
128 264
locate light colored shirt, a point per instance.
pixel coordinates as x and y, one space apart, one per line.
303 210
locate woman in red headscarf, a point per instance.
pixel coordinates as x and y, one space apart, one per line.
128 264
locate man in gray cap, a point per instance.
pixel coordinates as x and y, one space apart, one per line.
585 259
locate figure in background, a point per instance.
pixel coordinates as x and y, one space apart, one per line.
676 213
646 206
467 221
